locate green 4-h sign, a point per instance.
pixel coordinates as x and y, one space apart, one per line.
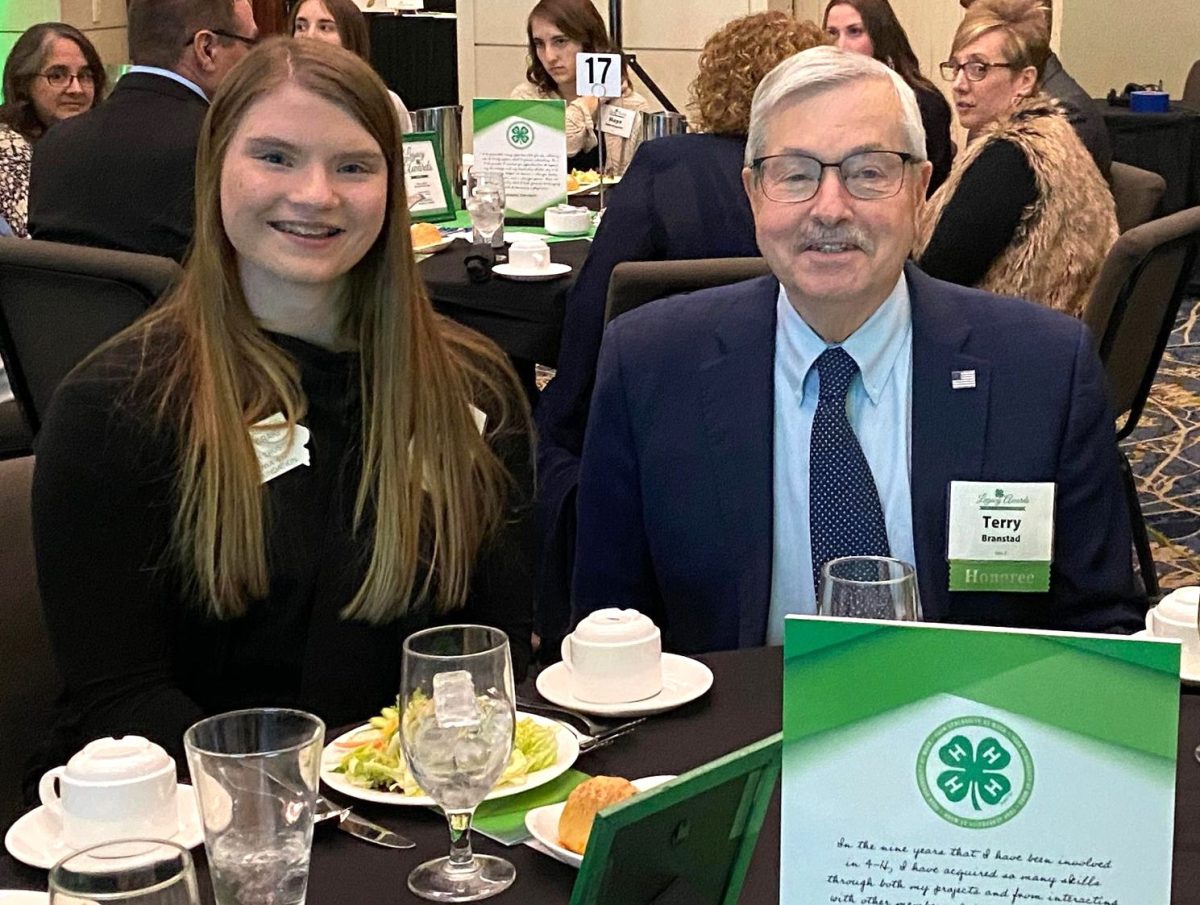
520 134
975 772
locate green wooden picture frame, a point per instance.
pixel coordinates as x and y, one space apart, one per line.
687 842
426 176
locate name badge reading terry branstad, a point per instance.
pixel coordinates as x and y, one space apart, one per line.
1001 536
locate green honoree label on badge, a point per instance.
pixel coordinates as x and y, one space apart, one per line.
1001 536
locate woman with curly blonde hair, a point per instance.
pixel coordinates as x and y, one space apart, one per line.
681 198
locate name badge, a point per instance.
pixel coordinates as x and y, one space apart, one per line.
1001 536
275 454
616 120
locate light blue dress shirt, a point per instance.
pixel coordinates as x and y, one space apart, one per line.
879 406
168 74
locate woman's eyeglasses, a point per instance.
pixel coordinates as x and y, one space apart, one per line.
61 76
976 70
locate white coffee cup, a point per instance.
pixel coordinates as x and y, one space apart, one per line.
114 789
566 220
1175 617
528 252
614 657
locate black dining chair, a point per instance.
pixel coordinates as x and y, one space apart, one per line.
634 283
1138 194
59 302
1131 313
1191 88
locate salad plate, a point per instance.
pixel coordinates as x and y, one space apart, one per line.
568 751
543 823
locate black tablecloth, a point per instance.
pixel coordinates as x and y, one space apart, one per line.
743 706
524 319
417 57
1165 143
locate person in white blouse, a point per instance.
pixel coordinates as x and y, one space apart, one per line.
340 22
557 31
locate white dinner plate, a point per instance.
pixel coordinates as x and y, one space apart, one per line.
568 751
684 680
36 838
551 272
434 247
1187 678
23 897
543 823
590 187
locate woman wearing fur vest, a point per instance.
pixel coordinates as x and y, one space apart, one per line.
1024 211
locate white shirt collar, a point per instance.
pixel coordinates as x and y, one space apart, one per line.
167 73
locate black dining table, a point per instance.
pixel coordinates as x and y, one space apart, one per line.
743 706
1164 143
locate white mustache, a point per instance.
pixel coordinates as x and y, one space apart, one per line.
843 235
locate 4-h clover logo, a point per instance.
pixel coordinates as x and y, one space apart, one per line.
520 134
975 772
999 494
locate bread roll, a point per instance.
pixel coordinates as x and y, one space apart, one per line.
587 799
424 234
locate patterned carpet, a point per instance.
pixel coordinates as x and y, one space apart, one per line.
1165 454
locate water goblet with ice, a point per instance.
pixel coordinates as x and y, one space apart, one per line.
456 730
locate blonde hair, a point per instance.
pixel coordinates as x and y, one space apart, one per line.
431 489
1025 25
734 60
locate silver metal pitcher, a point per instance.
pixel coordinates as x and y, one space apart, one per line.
656 125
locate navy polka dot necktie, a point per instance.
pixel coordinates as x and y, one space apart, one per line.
845 515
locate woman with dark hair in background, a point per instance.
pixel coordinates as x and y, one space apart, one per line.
870 27
557 30
340 22
52 73
253 494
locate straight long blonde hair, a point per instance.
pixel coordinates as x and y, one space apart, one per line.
432 489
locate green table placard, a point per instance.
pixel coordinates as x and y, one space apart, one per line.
526 140
503 819
948 765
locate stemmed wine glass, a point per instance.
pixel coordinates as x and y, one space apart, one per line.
456 730
485 201
134 872
869 587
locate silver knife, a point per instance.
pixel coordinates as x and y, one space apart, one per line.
368 831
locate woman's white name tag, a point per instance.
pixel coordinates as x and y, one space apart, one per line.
271 444
1001 536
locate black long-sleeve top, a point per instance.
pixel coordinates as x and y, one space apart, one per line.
138 656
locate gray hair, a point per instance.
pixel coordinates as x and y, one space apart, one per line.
819 69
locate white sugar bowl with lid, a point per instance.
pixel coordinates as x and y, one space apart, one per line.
614 656
1176 617
115 788
566 220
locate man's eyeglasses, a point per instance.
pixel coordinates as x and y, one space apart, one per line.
868 176
220 32
976 70
61 76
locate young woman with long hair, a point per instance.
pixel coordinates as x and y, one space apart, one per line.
253 494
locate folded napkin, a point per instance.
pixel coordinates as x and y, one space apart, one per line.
503 819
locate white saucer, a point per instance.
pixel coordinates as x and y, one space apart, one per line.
553 272
684 680
543 823
36 839
1187 678
23 897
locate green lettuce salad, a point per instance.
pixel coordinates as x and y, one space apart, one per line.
374 759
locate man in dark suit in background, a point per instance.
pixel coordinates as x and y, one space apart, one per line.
1076 104
122 175
743 436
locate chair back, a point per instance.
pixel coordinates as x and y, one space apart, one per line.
59 302
634 283
1191 88
1137 194
28 678
1133 307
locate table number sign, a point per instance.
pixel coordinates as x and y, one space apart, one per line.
425 183
526 140
598 74
937 765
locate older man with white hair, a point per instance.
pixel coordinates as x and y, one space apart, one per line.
743 436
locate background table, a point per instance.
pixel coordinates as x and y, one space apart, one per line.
417 57
1165 143
743 707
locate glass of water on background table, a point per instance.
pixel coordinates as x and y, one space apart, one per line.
456 729
869 587
485 202
255 774
135 872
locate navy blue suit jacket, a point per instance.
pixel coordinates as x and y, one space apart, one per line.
681 198
123 174
675 492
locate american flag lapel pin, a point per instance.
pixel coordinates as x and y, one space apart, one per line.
962 380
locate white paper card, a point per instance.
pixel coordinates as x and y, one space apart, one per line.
598 74
1001 521
617 120
275 454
